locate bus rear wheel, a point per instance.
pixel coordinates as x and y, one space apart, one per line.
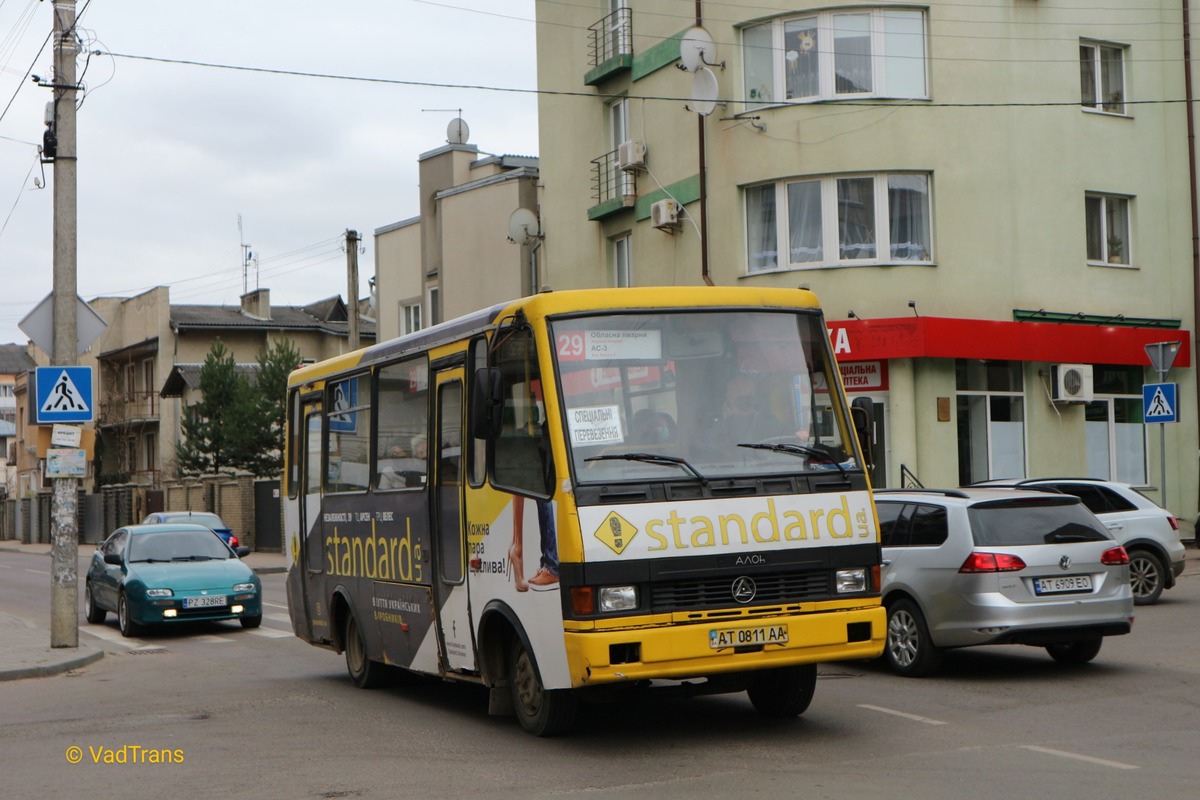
783 692
540 711
365 673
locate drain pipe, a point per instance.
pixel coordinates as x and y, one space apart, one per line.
1191 148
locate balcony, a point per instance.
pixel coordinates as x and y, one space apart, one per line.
129 408
613 189
611 48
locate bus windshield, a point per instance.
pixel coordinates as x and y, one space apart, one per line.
697 395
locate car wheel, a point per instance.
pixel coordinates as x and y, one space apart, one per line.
365 673
1147 577
909 650
94 613
129 628
785 692
1075 652
540 712
252 622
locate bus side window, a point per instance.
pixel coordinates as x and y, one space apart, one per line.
401 437
522 459
349 431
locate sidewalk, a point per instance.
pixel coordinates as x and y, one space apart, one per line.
25 650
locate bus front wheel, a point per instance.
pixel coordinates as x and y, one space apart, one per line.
783 692
540 711
365 673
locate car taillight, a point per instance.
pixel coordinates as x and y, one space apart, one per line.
233 541
991 562
1115 557
1174 522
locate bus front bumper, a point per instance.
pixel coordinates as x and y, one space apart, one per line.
695 649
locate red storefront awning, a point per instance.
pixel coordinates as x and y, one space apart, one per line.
948 337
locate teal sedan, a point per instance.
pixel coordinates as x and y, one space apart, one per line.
162 574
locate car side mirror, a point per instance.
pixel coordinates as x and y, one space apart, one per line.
113 558
242 551
862 411
487 404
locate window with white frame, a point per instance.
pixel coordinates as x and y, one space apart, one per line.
839 220
1115 428
622 260
411 315
1108 229
1102 77
623 183
991 420
876 52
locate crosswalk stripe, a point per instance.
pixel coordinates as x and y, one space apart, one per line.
113 637
280 618
269 633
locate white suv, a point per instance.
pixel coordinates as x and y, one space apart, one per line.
974 566
1149 533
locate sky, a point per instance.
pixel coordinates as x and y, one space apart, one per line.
172 156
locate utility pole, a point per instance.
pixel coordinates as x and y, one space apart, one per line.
352 285
64 573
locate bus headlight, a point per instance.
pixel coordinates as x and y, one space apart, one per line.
851 580
618 598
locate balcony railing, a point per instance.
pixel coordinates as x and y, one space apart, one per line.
611 183
612 37
129 407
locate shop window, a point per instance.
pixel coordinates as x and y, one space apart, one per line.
991 420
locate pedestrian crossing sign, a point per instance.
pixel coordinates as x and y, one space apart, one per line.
64 394
1159 402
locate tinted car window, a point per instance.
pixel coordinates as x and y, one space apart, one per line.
893 526
1029 521
928 527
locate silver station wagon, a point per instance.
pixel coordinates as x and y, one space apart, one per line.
974 566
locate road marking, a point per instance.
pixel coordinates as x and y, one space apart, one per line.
113 637
38 571
281 618
1079 757
275 605
895 713
268 633
208 637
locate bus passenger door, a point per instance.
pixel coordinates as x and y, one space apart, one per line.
449 534
312 540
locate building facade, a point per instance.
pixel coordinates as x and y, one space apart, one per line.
457 255
987 199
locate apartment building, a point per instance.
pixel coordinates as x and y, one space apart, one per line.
992 202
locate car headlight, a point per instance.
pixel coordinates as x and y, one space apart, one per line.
618 598
159 593
851 580
244 587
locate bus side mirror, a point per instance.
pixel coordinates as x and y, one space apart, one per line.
862 411
487 404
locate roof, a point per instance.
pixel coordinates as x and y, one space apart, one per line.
14 359
327 315
187 376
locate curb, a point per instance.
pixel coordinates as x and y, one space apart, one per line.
89 656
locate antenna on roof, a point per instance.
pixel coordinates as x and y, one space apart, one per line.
247 257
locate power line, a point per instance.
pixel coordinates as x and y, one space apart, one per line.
879 103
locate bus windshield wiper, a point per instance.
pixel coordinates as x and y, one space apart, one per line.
798 450
652 458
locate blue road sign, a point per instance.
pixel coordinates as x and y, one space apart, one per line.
1158 402
345 397
64 394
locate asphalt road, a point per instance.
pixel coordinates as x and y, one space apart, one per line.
260 714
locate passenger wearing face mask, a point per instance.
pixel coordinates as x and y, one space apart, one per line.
653 427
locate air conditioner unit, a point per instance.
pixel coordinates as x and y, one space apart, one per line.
664 215
631 155
1071 383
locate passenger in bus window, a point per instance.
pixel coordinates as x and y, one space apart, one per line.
652 427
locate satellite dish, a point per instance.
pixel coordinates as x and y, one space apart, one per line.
457 131
696 49
524 227
704 92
